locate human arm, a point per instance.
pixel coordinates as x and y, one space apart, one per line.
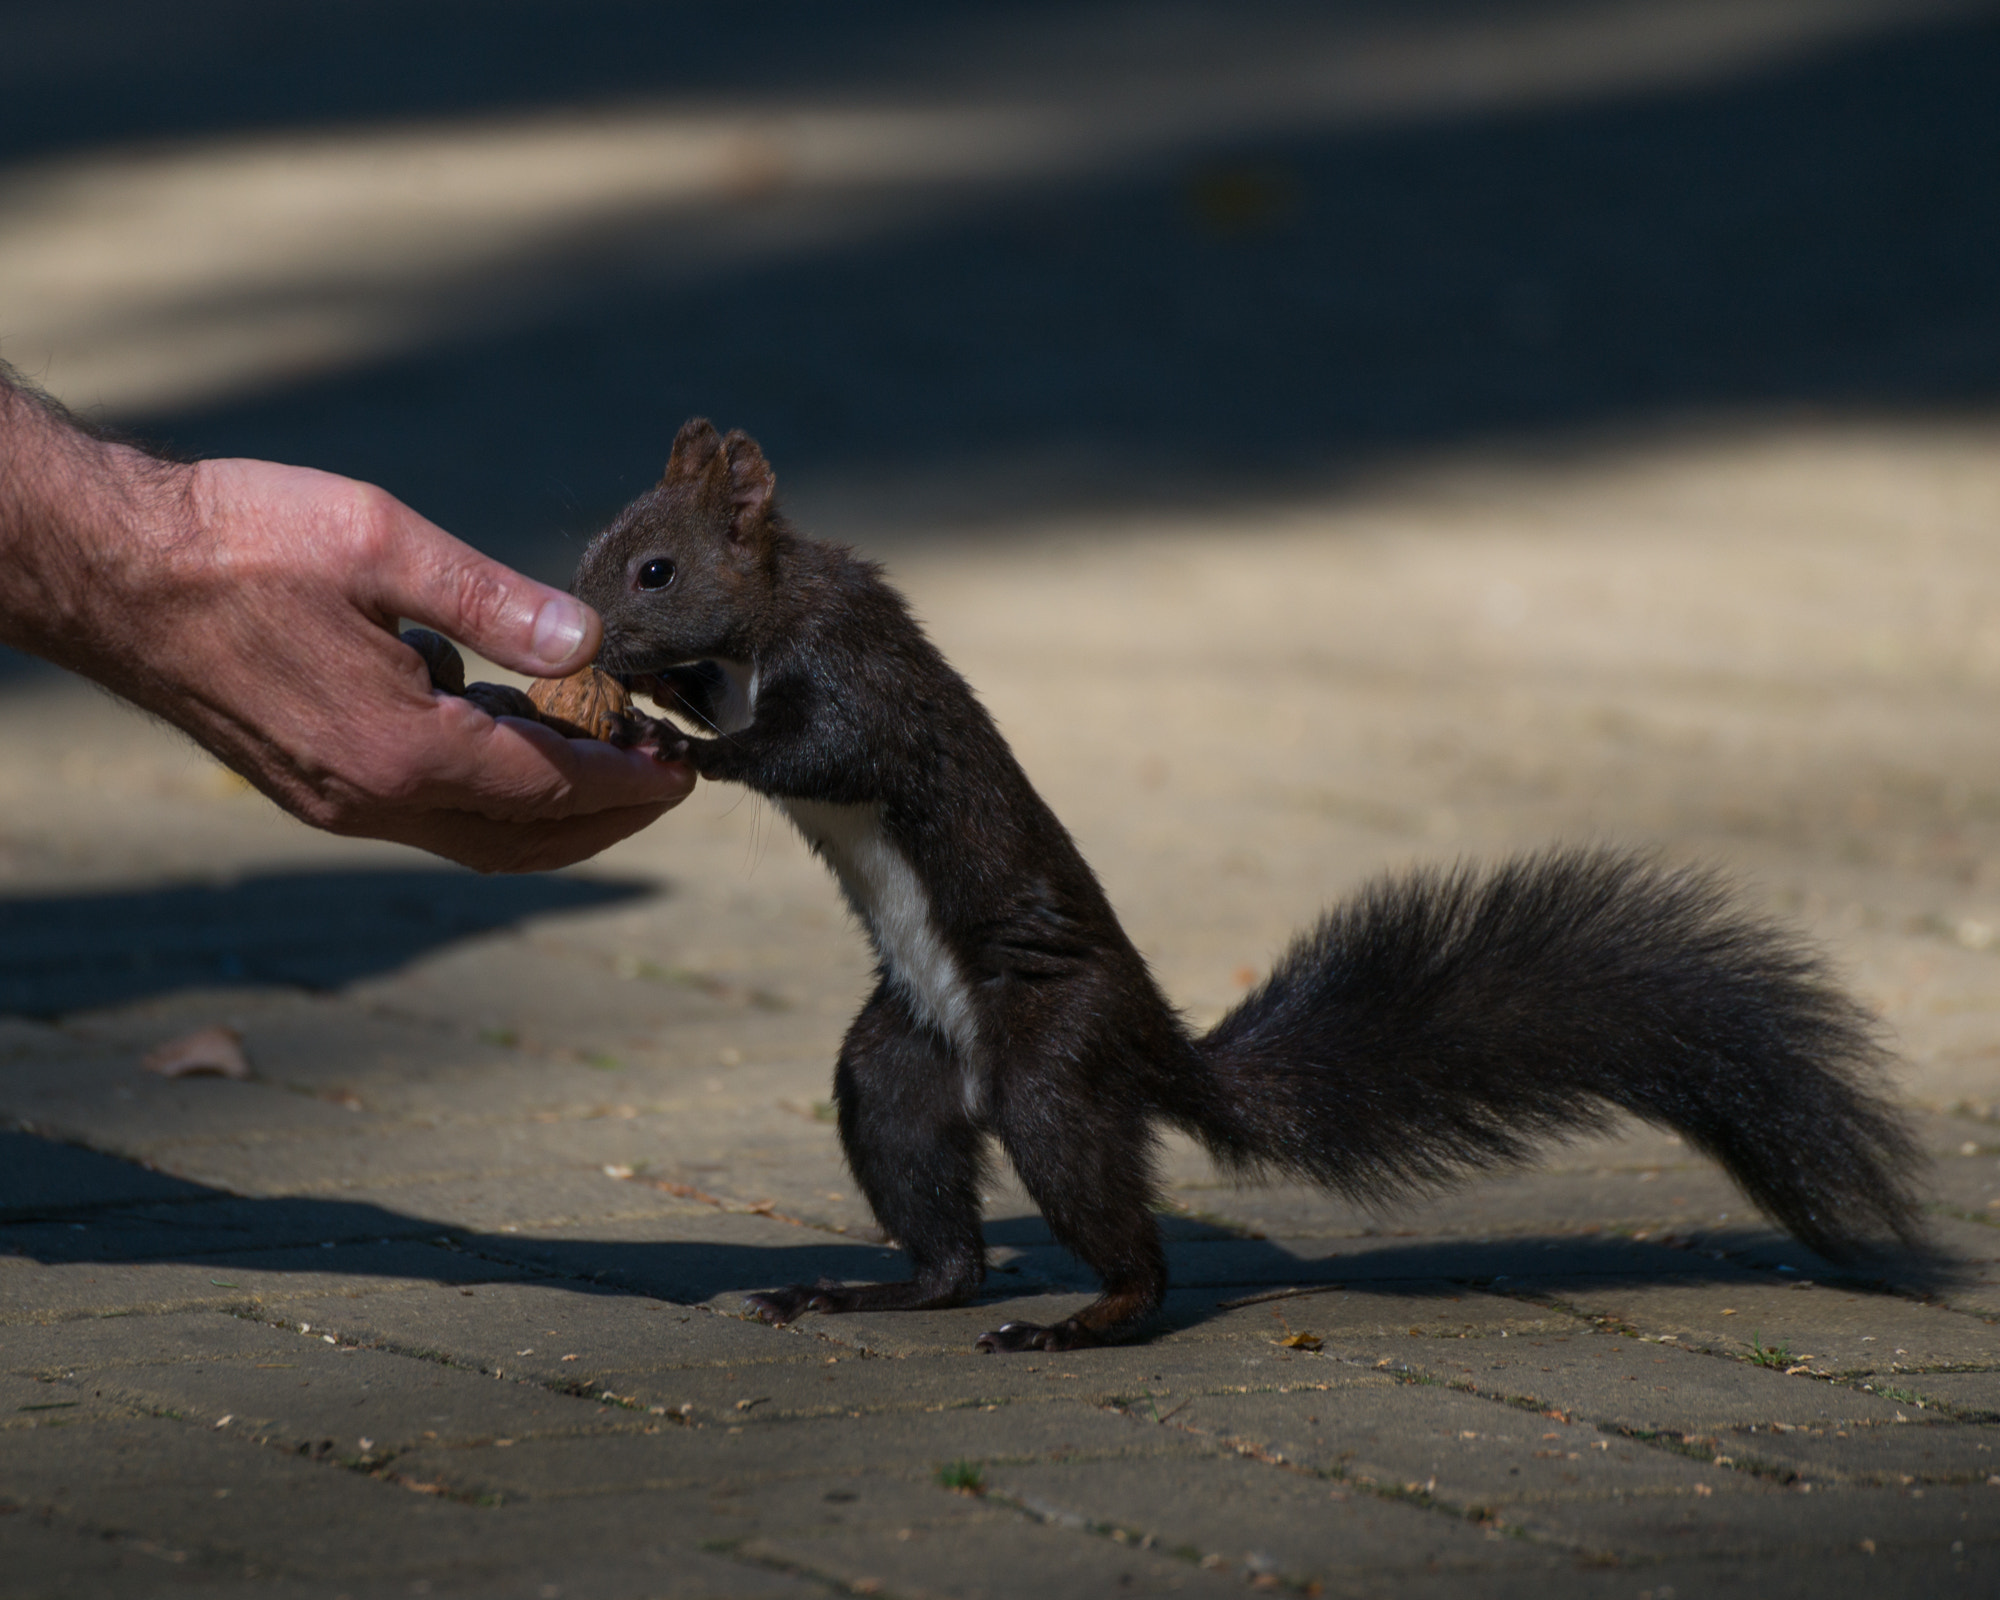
254 606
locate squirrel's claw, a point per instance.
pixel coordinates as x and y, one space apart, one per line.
1014 1336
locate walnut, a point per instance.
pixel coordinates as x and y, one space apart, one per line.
586 705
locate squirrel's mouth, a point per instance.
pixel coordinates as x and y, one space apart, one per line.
692 683
626 664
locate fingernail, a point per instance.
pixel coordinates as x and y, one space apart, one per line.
559 628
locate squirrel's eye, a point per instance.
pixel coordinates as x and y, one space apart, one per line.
656 574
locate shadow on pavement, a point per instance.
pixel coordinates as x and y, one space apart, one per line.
316 930
61 1204
1237 317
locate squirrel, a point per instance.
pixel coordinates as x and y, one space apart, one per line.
1431 1027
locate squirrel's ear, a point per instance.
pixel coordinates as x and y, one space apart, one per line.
751 483
694 448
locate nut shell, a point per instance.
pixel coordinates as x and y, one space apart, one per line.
586 705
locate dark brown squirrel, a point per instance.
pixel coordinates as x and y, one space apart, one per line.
1433 1025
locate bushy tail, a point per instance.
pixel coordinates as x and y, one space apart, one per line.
1443 1021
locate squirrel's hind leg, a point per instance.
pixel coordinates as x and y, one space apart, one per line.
1085 1157
919 1158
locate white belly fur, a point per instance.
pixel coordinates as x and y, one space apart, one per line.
889 899
738 707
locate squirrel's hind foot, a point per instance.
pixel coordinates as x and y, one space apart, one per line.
1121 1315
1013 1336
829 1295
780 1306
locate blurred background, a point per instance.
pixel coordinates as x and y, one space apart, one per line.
957 264
1329 436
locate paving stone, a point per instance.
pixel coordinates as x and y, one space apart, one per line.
1436 1310
1908 1573
467 1171
37 1292
1251 1521
1481 1458
348 1057
365 1158
548 994
534 1198
109 1102
951 1330
1257 1267
1971 1396
658 1353
1625 1383
162 1479
47 1402
39 1178
528 1327
290 1385
636 1556
44 1560
1141 1379
1828 1327
701 1256
1428 1309
1142 1383
909 1444
1808 1520
977 1548
204 1504
1973 1251
853 1530
78 952
1964 1174
1883 1454
213 1229
100 1343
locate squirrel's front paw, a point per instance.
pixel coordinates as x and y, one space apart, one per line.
502 700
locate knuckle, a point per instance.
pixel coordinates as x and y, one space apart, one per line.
372 521
483 600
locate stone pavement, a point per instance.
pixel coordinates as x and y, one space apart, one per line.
444 1299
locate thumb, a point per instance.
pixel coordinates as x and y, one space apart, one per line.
489 608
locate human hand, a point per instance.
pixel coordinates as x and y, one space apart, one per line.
255 606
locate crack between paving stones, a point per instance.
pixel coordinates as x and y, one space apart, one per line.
732 1550
578 1388
1422 1496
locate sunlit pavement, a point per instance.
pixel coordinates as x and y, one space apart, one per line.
444 1299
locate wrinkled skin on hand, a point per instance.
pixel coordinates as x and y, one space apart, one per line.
255 606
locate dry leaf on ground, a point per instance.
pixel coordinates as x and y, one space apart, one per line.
207 1052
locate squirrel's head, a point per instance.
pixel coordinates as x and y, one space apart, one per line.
684 572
